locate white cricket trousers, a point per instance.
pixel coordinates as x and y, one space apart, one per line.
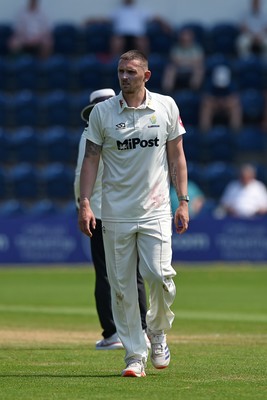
124 242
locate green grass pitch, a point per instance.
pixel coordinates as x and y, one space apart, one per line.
49 325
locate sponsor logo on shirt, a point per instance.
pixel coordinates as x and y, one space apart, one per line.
121 125
129 144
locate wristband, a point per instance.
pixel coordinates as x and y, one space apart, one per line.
184 198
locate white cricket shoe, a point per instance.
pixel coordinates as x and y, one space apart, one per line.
111 343
160 354
135 369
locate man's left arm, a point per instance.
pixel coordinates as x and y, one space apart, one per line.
178 172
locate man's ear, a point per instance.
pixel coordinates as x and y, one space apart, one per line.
147 75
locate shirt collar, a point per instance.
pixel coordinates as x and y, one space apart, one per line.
148 103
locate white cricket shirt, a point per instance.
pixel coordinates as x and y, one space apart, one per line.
136 178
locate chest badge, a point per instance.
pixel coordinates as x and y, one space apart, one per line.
153 121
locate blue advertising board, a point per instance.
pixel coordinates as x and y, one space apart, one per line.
54 239
227 239
57 239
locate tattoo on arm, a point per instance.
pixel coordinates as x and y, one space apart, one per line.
174 176
91 149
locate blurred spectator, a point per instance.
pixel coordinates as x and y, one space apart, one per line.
186 66
32 32
197 199
253 32
220 99
245 197
130 26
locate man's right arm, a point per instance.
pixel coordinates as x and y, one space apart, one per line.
87 180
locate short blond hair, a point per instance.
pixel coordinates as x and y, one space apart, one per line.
135 55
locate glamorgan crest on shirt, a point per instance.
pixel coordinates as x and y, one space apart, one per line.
153 121
129 144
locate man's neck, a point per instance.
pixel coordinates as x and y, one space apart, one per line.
135 100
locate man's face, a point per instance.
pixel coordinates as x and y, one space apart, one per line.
33 4
247 175
132 76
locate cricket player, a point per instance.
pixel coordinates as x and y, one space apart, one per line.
139 136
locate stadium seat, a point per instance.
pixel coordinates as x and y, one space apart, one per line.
4 156
251 139
159 40
249 73
68 209
194 170
24 182
66 39
86 71
54 145
96 38
109 74
262 171
218 144
264 74
4 187
23 73
6 31
3 74
208 208
22 145
253 103
192 140
188 102
200 32
77 102
24 106
74 140
157 64
222 38
215 177
54 73
57 182
10 208
54 109
5 109
42 208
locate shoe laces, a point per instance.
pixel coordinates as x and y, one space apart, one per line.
134 363
158 343
158 349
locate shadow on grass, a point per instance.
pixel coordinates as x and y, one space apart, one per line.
63 376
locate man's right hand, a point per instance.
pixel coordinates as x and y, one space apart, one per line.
86 218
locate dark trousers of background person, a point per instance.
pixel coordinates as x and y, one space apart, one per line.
102 287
